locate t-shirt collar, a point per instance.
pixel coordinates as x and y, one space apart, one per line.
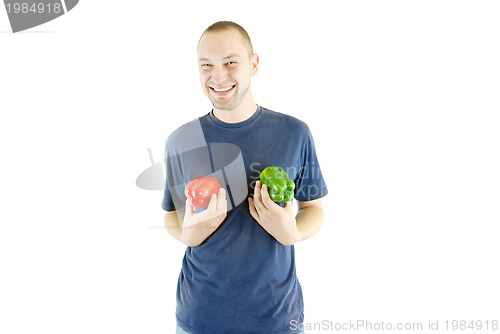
236 125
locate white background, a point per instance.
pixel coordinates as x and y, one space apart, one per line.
403 101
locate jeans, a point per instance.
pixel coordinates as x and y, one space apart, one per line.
181 331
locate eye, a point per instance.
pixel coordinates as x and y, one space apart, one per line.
206 65
231 63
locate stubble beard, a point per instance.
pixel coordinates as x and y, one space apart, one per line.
235 101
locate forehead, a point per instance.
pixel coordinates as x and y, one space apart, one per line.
217 45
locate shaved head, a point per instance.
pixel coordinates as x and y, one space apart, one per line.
227 25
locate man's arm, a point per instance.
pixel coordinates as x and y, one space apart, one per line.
309 218
172 221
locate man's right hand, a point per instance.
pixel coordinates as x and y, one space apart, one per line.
197 227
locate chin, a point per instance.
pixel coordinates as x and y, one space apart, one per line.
228 106
225 107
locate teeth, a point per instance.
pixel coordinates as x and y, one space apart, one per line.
222 90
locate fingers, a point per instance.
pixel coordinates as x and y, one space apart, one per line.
218 203
212 205
188 215
261 198
189 208
253 211
221 200
257 196
264 194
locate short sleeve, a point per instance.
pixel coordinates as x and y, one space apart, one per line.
309 183
173 197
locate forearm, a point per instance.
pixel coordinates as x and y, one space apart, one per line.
193 234
309 221
173 221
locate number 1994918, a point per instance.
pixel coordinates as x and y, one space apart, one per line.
34 8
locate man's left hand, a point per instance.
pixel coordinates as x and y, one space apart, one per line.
276 220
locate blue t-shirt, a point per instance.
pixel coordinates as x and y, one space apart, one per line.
240 279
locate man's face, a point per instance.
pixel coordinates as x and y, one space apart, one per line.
225 68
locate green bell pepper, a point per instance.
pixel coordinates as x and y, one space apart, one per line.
279 185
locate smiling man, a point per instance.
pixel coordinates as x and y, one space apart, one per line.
238 273
226 62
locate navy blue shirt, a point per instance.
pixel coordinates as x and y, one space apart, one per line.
240 279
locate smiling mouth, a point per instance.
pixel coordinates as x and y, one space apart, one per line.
222 90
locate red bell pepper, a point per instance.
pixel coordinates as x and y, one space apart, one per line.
200 189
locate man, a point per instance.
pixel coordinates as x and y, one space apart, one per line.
238 272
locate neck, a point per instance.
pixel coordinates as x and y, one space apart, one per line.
239 114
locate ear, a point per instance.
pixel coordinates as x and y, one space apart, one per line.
255 64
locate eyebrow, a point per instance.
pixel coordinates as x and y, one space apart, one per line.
225 58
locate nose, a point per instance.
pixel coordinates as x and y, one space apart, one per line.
219 75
